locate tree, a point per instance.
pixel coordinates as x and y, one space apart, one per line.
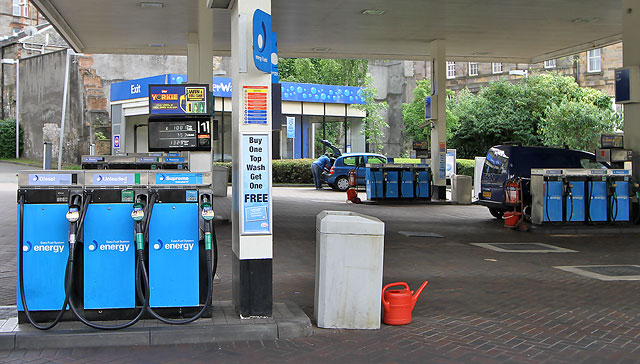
413 116
374 124
577 124
343 72
546 109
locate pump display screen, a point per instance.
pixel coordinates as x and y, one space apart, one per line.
179 134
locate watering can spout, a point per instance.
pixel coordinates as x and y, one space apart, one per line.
414 298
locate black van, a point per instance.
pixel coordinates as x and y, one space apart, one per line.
508 161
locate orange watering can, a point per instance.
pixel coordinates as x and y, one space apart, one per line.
398 303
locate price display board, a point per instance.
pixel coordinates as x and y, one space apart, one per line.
180 134
185 99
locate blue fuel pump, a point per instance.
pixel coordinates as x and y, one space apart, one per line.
574 192
174 292
392 180
137 215
553 188
45 292
597 202
618 196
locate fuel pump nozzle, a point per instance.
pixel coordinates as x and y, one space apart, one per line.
137 214
567 191
207 215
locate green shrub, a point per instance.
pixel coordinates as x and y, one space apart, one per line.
285 170
465 166
8 139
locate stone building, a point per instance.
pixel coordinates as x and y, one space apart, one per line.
16 15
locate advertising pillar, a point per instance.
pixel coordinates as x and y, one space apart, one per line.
439 118
631 58
200 70
252 222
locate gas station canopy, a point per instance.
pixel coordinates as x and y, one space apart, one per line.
499 30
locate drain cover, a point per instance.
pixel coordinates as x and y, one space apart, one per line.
523 248
420 234
606 272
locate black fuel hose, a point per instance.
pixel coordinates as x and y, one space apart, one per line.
139 263
210 274
570 200
546 184
67 275
588 208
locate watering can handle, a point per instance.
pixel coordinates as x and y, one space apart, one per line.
405 284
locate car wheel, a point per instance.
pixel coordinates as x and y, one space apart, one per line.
496 213
341 183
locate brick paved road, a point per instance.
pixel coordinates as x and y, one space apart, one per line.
481 306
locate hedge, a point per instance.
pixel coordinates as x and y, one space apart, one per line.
8 139
465 166
298 171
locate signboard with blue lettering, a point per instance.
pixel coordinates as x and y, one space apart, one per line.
114 179
255 197
309 92
178 178
262 41
187 99
58 179
134 89
623 85
291 127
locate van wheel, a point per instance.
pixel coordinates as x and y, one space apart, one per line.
527 212
496 213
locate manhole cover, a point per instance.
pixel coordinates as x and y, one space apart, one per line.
523 248
606 272
420 234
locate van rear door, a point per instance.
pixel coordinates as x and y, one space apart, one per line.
494 175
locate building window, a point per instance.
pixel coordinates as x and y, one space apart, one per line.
15 31
497 67
594 60
25 8
451 70
16 11
473 68
551 63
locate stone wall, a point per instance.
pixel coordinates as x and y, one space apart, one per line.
41 94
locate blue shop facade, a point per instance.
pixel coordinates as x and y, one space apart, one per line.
307 113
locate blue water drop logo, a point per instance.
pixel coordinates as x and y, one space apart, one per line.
98 178
26 248
35 178
93 246
161 177
158 245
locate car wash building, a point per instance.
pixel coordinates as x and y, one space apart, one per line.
307 113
